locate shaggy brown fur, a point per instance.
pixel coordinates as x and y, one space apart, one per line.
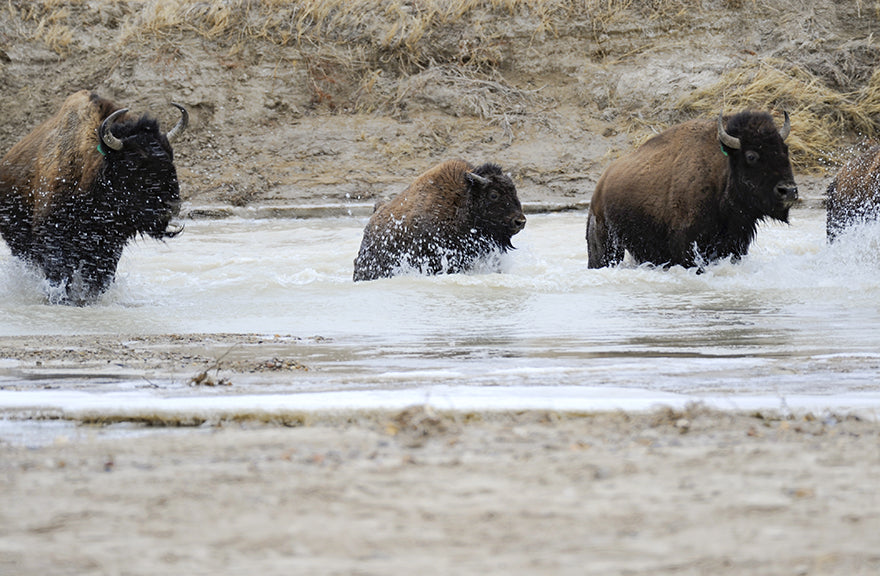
854 194
52 160
452 215
684 198
70 209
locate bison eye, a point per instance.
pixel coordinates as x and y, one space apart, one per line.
493 195
752 157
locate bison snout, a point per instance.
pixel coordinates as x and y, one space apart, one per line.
787 192
517 223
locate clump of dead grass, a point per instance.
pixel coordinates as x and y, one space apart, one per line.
821 117
48 21
458 93
410 35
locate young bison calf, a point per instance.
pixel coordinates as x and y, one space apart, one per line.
451 216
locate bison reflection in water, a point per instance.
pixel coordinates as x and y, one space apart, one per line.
693 194
75 190
854 195
452 216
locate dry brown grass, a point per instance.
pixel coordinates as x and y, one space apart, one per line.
401 32
47 21
490 98
372 55
352 47
821 117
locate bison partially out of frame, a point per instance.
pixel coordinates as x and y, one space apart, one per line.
450 217
693 194
82 184
854 195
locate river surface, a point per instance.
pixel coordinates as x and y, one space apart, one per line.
795 318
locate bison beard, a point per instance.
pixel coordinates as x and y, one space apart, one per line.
451 217
74 218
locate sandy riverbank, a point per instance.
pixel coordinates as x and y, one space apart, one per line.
665 492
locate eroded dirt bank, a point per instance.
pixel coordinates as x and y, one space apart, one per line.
347 103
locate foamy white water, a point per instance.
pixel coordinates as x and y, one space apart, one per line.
796 318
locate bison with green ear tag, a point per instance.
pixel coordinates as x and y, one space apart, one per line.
694 193
82 184
452 216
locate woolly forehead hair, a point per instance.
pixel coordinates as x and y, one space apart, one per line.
751 123
488 169
144 124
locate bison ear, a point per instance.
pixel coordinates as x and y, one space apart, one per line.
476 179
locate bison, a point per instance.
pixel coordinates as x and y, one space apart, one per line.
82 184
451 216
693 194
854 194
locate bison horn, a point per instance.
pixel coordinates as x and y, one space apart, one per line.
724 137
107 137
181 124
786 127
477 179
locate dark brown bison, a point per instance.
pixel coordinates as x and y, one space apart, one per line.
451 216
692 194
854 194
82 184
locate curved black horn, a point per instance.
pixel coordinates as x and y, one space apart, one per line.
107 137
786 127
724 137
181 124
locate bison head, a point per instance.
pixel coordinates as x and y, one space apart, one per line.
760 171
493 205
139 174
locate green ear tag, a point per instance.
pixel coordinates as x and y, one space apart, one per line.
101 149
723 151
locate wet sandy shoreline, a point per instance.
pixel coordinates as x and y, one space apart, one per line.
664 492
175 357
684 490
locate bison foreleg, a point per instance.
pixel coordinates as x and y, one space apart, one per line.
79 274
603 248
835 222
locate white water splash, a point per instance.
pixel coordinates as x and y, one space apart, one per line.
794 316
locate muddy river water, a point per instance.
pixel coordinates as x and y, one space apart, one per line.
796 318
